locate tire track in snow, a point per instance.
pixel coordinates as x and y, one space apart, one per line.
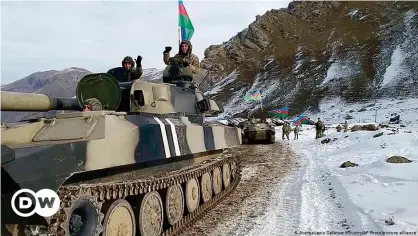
282 214
316 213
326 205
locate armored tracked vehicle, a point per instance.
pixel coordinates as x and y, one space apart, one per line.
255 131
136 158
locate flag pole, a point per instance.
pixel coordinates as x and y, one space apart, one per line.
179 35
179 28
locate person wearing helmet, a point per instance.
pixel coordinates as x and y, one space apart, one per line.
184 56
127 72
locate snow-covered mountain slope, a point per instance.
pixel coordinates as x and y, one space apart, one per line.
316 51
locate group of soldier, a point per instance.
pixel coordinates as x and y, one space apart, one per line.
286 129
319 126
132 70
345 127
129 72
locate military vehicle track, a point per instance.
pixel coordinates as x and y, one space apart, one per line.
169 193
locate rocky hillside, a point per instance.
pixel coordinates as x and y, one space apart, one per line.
313 51
55 83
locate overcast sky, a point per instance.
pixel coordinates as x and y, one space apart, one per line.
39 36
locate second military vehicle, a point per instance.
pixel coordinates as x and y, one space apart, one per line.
137 158
255 131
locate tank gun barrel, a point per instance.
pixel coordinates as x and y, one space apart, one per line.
17 101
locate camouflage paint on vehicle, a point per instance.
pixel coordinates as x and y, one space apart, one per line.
57 151
152 124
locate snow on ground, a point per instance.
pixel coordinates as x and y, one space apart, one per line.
359 198
321 197
335 110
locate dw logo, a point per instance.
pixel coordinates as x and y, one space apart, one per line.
45 202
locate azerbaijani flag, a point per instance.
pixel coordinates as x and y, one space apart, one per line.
255 96
186 26
282 112
301 120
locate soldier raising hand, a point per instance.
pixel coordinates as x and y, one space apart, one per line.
184 57
127 72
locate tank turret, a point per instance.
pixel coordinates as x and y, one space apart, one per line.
177 94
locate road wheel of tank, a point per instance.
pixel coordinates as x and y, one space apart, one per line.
217 180
83 216
226 174
151 216
174 204
119 219
206 184
192 195
233 169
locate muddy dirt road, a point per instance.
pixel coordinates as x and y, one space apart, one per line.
263 166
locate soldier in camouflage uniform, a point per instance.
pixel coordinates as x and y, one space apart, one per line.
339 128
184 56
345 127
127 72
296 131
319 128
286 130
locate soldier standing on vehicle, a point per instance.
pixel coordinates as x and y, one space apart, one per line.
127 72
184 56
296 131
345 127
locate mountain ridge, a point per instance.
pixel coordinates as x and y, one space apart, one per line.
312 51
